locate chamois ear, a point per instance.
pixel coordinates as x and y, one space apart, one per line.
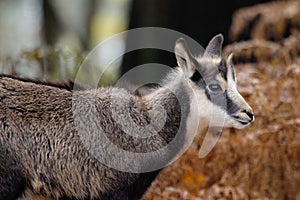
214 47
184 57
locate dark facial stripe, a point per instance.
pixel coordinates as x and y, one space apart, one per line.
217 98
207 94
196 76
198 80
232 107
223 101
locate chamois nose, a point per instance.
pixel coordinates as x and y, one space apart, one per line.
250 114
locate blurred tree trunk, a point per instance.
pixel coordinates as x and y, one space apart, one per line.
200 20
58 23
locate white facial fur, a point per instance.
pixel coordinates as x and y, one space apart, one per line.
227 108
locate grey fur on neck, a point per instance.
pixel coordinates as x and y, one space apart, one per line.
175 98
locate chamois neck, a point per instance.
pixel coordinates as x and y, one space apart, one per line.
191 106
174 99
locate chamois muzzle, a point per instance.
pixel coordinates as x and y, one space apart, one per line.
244 117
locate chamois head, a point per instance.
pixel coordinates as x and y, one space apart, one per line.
214 84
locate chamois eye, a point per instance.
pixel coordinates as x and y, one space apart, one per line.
215 87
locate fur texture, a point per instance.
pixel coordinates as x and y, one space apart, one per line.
43 150
39 138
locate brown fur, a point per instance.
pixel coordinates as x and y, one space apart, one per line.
37 128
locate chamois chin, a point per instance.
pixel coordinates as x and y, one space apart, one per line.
41 149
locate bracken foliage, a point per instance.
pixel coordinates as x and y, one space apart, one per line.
263 160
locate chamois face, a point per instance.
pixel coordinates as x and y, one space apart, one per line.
214 83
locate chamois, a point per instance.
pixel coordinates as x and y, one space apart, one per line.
41 148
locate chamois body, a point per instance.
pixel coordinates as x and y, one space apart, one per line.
48 133
39 135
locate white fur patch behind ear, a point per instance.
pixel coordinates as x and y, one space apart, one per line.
184 58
